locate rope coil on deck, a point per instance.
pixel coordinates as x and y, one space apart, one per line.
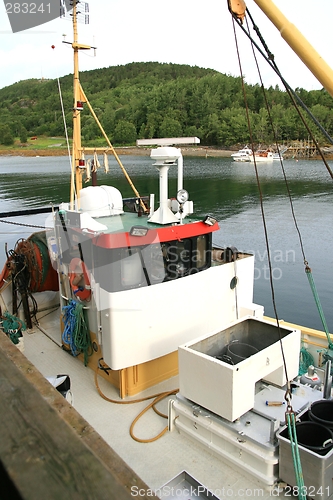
156 398
76 333
12 326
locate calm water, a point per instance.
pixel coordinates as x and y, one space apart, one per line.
228 191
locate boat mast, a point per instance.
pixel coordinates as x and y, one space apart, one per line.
79 99
299 44
77 108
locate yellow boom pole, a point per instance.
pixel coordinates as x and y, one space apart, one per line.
299 44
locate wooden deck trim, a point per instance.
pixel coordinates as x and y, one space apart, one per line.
304 329
47 449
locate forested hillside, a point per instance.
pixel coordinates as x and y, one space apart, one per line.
145 100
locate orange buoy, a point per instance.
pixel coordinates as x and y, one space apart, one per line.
79 279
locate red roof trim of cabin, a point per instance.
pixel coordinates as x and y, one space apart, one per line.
155 235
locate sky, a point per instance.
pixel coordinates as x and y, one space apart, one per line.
194 32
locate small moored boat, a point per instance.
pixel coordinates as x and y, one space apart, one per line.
246 154
242 155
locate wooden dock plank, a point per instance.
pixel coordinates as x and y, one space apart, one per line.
48 450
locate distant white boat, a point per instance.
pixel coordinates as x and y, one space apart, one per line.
246 154
242 155
262 155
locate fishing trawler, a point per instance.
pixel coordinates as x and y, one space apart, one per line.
151 305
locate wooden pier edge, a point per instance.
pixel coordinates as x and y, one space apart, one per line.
47 450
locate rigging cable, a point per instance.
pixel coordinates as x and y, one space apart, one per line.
307 268
67 139
292 432
22 224
290 415
293 96
258 183
261 207
113 150
271 61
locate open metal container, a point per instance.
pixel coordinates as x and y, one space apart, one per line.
317 468
229 389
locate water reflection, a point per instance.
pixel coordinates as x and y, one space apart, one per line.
229 191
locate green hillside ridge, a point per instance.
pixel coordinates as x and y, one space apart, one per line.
145 100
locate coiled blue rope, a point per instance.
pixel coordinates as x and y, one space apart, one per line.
76 333
69 322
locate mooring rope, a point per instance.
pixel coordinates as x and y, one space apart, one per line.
22 224
309 275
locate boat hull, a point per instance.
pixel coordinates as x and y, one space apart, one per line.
241 159
261 159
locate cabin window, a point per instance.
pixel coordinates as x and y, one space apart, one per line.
177 258
201 253
123 268
154 264
131 268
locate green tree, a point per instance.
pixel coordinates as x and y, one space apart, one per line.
161 100
6 136
324 117
124 133
278 119
170 128
261 128
213 130
23 135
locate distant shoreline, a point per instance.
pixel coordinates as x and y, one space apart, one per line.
136 151
120 151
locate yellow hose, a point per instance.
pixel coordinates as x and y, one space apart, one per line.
157 397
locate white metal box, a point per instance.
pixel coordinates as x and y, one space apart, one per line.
229 389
